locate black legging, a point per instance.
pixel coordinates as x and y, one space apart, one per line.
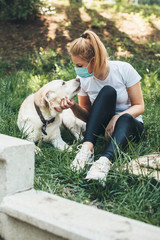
102 111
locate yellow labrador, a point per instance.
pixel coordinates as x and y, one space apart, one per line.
38 118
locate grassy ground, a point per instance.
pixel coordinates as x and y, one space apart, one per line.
124 194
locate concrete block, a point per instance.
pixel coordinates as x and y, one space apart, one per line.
16 165
43 216
148 165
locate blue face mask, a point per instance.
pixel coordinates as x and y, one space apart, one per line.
83 71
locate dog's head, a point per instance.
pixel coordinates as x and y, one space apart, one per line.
50 95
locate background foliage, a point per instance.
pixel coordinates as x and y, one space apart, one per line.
19 9
149 2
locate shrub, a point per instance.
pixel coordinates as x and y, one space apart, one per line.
149 2
19 9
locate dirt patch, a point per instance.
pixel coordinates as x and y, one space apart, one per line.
68 22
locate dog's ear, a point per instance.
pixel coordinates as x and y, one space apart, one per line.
49 96
45 98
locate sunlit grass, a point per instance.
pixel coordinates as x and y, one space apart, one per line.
124 193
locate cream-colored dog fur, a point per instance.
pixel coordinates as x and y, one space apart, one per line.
48 97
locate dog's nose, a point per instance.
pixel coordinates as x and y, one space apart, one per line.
77 79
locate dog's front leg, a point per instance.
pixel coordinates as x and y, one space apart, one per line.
33 136
59 143
37 150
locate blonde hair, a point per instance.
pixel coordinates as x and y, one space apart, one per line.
88 46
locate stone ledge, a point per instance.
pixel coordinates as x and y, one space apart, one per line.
16 165
60 218
9 141
147 165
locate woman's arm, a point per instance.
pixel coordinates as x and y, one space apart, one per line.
80 110
137 102
136 109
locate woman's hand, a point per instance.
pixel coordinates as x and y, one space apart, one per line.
65 104
111 125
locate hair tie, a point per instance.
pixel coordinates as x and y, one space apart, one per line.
83 35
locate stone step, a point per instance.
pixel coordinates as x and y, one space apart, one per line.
16 165
37 215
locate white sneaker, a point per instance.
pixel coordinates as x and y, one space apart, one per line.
99 169
83 157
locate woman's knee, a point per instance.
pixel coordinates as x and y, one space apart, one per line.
108 91
129 122
131 125
125 119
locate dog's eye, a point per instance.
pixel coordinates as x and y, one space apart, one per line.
63 83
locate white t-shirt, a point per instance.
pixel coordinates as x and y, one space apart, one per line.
121 76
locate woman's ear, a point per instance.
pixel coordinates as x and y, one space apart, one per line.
92 63
93 59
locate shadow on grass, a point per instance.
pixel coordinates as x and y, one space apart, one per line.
21 38
117 38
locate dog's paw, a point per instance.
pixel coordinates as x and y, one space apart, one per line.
70 148
37 150
66 147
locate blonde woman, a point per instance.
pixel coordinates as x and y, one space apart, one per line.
110 102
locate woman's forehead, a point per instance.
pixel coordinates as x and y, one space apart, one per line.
78 60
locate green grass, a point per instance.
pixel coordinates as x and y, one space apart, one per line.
132 196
